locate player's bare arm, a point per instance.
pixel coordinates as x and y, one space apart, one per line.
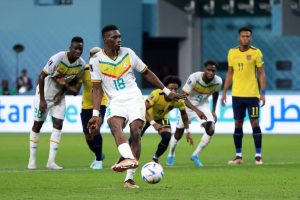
152 78
94 122
215 97
262 83
185 120
43 104
227 84
73 89
149 119
200 114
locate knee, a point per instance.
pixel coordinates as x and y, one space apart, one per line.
166 137
210 128
178 133
254 122
239 123
37 126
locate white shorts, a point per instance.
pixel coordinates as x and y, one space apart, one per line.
192 115
131 109
57 111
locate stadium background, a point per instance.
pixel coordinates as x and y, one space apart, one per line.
169 35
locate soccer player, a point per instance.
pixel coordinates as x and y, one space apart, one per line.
94 139
198 88
112 71
158 106
244 61
54 80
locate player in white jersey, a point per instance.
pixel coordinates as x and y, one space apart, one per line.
112 71
55 79
198 88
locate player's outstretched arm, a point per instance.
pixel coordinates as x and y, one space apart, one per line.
200 114
185 120
215 97
43 104
227 84
94 122
153 79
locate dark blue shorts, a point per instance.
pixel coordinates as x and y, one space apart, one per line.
241 104
86 115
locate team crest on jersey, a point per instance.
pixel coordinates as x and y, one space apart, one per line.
248 57
91 68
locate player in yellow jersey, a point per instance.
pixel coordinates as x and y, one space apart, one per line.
244 61
198 88
158 106
94 139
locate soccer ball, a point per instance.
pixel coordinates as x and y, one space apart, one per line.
152 172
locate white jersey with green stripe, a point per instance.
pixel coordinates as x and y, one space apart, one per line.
59 65
117 76
198 90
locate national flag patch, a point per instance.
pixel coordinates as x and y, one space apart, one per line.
50 62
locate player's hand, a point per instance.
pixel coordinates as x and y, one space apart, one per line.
157 126
201 115
43 106
93 124
57 98
215 116
189 138
262 100
223 100
60 80
175 96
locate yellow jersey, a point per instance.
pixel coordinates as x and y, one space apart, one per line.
87 96
160 107
244 64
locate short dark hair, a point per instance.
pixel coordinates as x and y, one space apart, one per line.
108 28
77 39
245 29
172 79
211 62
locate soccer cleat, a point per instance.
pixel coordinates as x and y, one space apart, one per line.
97 165
130 184
125 164
92 164
237 160
53 166
32 164
196 161
258 160
170 160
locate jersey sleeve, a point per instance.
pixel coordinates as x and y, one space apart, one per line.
229 59
189 85
219 82
152 98
95 70
259 59
137 63
52 63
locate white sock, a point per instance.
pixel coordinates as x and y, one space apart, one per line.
54 143
173 143
33 143
125 151
258 155
130 174
202 144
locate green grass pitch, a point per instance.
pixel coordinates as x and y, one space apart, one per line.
278 178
